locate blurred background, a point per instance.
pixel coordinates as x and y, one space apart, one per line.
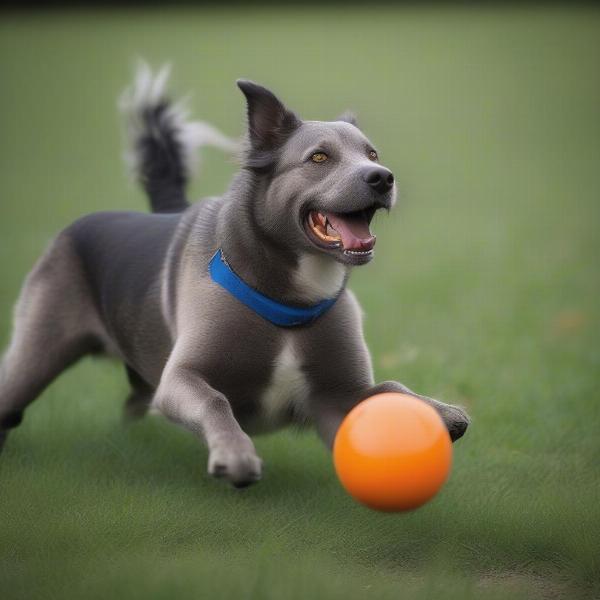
484 292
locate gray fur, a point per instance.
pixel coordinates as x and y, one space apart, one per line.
137 286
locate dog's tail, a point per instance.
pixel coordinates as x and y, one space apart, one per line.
162 142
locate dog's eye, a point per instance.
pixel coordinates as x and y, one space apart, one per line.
319 157
373 155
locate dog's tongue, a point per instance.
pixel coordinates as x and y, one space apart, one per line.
354 230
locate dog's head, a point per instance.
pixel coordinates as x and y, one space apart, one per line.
322 181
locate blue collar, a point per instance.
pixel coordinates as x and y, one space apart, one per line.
279 314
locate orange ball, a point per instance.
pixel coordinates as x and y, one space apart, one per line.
392 452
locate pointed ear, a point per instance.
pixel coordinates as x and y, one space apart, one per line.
269 121
348 117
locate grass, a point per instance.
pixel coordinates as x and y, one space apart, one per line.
484 292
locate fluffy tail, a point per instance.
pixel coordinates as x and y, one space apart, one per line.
162 142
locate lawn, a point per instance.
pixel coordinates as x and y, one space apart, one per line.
484 292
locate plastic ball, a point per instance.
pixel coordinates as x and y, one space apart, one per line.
392 452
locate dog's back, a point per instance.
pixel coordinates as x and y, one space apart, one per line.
123 256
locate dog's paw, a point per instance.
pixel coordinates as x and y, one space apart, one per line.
236 462
455 419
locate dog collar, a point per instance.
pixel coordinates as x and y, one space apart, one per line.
277 313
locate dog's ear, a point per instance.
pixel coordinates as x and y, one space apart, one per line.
269 121
348 117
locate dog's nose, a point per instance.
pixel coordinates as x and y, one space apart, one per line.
379 178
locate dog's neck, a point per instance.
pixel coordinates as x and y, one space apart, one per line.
273 269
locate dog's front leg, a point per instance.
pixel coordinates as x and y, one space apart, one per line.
454 417
186 398
329 414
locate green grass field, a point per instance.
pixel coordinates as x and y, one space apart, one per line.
484 292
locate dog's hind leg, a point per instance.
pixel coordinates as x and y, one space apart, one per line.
138 401
55 324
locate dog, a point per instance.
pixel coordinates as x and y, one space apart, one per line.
232 315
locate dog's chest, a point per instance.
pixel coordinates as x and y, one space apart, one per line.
286 395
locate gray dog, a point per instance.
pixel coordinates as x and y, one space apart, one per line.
231 315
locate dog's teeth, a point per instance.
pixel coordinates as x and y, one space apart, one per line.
358 252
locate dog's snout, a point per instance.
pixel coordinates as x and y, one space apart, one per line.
379 178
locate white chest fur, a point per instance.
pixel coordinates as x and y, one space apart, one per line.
288 388
318 277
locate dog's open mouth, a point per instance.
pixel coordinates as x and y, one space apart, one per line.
348 232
